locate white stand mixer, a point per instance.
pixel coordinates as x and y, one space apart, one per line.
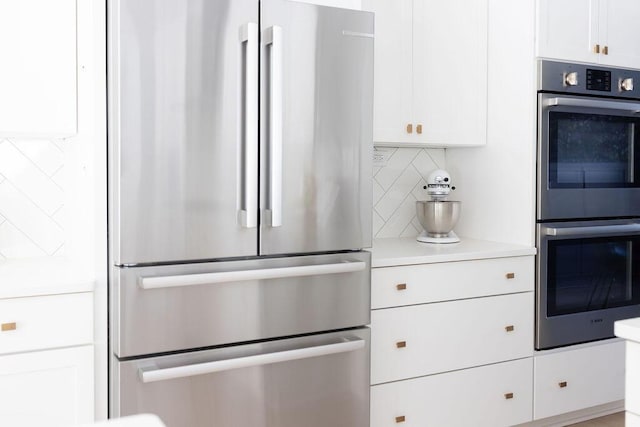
438 216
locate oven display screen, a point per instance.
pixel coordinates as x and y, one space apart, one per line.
598 80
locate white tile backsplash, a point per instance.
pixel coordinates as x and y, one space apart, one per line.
396 187
31 198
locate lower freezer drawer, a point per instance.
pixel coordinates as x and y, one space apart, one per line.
311 381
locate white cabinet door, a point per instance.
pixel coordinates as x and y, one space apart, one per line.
568 30
571 380
620 32
450 72
38 72
47 388
488 396
393 93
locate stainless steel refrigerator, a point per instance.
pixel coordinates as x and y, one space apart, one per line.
240 140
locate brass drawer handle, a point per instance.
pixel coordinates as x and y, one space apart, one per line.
419 129
509 328
596 49
401 344
400 419
508 396
409 128
8 327
510 275
562 384
605 50
401 286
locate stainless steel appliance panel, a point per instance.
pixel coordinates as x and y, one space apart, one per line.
183 129
587 277
317 75
169 308
313 381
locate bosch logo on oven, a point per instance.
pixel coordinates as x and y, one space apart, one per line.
596 321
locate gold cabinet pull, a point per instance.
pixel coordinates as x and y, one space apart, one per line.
509 328
409 128
510 275
596 49
562 384
605 50
400 419
419 129
8 326
401 344
508 396
401 286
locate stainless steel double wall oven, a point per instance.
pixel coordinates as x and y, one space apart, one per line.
588 201
240 137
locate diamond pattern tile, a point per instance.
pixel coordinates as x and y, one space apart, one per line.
31 198
398 185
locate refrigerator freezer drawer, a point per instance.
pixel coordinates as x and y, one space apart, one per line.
169 308
313 381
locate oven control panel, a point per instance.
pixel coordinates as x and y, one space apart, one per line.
566 77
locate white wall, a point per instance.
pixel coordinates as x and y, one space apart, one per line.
496 183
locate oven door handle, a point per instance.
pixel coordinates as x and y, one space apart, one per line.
242 275
592 103
593 231
151 374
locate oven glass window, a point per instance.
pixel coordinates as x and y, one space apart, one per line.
592 274
593 151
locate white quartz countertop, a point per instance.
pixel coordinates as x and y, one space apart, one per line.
628 329
42 276
390 252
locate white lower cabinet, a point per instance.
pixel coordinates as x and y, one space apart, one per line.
47 388
577 379
493 395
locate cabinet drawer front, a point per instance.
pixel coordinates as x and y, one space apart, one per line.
494 395
577 379
417 284
46 322
427 339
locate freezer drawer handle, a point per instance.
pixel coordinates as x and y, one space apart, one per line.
239 276
149 375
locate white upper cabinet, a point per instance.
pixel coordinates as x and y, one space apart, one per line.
596 31
38 74
430 84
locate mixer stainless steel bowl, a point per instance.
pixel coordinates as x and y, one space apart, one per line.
438 217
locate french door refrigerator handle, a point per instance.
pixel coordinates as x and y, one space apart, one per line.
592 103
149 375
248 190
597 230
242 275
273 41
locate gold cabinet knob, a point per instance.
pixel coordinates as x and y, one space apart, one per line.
401 344
419 129
401 286
409 128
596 49
508 396
8 327
509 328
510 275
562 384
605 50
400 419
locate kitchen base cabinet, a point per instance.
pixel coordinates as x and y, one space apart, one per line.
492 395
47 388
571 380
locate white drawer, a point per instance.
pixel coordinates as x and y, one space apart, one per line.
46 322
418 284
576 379
632 377
426 339
492 396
